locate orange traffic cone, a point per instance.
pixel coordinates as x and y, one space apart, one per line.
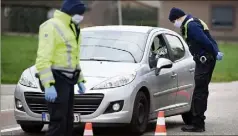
88 131
160 126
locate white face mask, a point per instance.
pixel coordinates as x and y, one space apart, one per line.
76 19
177 23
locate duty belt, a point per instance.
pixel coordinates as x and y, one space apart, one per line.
69 75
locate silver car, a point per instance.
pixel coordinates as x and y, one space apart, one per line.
132 73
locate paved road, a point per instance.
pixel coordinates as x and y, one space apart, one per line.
222 116
7 92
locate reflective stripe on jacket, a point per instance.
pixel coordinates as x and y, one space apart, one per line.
58 47
205 27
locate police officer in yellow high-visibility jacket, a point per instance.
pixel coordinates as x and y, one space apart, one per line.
58 66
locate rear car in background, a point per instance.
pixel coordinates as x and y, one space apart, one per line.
125 83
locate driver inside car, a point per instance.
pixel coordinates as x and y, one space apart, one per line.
157 51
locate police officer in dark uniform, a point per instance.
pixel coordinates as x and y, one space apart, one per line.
205 53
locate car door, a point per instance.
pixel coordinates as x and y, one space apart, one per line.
183 66
163 86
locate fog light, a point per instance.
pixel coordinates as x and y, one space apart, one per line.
116 106
19 104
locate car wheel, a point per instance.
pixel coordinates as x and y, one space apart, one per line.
187 117
140 114
32 128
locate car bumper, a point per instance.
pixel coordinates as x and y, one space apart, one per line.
98 116
119 117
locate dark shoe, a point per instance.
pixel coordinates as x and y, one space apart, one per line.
193 129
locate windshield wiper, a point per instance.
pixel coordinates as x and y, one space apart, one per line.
101 59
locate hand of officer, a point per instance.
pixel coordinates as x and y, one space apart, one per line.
50 94
82 88
219 56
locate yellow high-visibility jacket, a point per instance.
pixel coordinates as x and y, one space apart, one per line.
57 48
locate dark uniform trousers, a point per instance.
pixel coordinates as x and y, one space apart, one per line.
203 75
61 111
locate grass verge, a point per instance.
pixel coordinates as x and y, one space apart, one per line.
19 53
227 69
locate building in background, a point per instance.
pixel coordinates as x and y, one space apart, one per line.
140 13
24 16
220 16
133 13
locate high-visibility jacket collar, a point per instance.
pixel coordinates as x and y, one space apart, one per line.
186 19
65 18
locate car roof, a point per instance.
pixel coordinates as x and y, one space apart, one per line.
128 28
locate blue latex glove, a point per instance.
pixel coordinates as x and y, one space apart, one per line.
219 56
50 94
82 88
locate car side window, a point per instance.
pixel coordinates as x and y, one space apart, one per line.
177 48
158 50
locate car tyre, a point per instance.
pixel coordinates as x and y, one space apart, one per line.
187 118
32 128
140 114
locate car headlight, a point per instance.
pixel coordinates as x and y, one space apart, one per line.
116 81
26 82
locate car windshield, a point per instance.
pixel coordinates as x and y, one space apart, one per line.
113 46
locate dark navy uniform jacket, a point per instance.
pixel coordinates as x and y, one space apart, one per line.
199 40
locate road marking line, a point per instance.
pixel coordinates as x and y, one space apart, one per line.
7 110
10 129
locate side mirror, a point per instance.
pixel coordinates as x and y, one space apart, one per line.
163 63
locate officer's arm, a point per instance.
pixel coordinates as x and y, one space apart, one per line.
81 77
196 33
214 43
46 47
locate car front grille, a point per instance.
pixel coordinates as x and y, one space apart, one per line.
84 104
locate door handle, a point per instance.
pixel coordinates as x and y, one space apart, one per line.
192 70
174 75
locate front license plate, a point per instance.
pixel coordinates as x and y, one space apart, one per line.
46 117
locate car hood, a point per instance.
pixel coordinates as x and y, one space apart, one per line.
106 69
98 71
